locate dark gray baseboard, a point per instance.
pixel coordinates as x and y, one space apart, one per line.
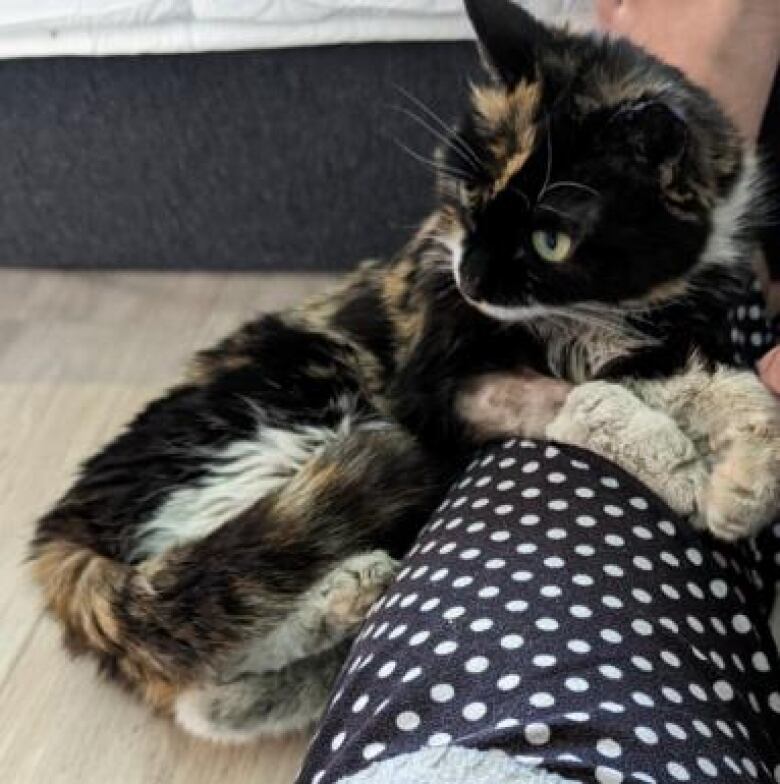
252 160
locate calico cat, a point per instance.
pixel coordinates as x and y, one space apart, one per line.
593 218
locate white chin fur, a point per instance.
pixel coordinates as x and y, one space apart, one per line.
497 312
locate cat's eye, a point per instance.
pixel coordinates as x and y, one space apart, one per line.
552 245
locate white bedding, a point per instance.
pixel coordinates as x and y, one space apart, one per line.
36 28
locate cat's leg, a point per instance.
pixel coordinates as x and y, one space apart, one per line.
736 419
608 419
262 692
244 706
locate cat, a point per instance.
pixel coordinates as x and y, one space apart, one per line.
593 218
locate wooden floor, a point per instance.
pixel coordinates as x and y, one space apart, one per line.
79 353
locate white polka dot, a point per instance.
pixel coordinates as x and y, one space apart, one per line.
608 775
544 660
407 721
583 580
611 636
522 576
702 728
542 699
373 750
504 509
578 716
670 559
672 694
517 605
577 685
554 562
398 631
530 492
678 771
488 592
338 741
481 625
613 540
608 747
774 701
317 778
611 672
475 528
500 536
419 638
360 703
537 733
474 711
442 692
439 739
646 735
638 502
477 664
582 466
445 648
613 511
642 663
387 669
578 646
580 611
409 600
431 604
645 564
642 699
506 484
642 627
462 582
556 534
412 674
760 661
530 467
676 731
558 505
550 591
586 521
505 724
613 570
551 451
547 624
586 550
706 766
440 574
508 682
667 527
454 613
511 642
529 519
419 572
584 492
724 690
741 623
612 707
495 563
612 602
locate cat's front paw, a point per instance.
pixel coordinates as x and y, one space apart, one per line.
350 591
743 493
611 421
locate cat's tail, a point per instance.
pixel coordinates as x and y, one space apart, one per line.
93 596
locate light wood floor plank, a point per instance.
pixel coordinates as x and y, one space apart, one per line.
79 354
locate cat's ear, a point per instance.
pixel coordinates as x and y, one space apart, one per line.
509 37
656 133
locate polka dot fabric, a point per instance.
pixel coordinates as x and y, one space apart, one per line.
752 334
555 610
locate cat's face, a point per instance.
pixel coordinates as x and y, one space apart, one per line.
587 172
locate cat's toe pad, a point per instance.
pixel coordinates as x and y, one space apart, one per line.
352 590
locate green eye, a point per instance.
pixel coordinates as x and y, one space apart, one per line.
552 245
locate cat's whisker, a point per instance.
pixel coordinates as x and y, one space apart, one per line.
570 184
548 174
436 166
554 210
444 139
451 132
